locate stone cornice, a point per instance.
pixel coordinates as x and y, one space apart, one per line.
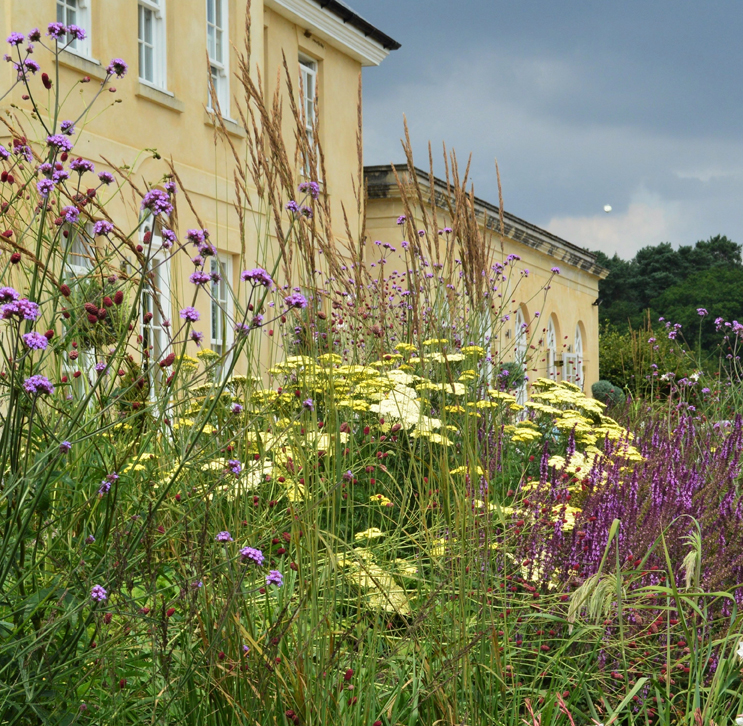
381 184
350 34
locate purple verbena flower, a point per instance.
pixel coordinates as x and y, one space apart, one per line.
224 536
274 577
292 206
102 227
199 277
158 202
60 176
401 219
65 447
32 66
82 165
190 314
67 128
169 238
251 553
35 341
59 142
45 187
170 187
296 300
235 466
22 309
197 337
56 30
196 236
242 329
312 187
98 594
15 38
702 312
257 276
237 408
71 214
309 404
4 153
106 177
555 270
38 385
117 67
8 294
76 32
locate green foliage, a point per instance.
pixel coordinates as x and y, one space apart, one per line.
674 283
640 360
607 392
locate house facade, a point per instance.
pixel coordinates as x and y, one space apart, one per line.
555 332
186 60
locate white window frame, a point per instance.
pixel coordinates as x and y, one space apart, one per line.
308 72
219 54
580 368
80 248
159 51
81 10
551 351
221 309
154 332
520 349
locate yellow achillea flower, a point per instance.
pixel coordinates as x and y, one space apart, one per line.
454 409
371 533
381 500
207 354
435 341
189 364
473 350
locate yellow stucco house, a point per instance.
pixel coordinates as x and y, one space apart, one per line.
164 105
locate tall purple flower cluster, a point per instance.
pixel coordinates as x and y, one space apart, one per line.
688 474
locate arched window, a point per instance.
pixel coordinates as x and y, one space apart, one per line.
578 350
551 350
520 348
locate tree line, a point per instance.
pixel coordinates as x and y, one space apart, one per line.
674 283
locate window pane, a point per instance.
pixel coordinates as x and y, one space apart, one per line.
148 64
148 26
61 14
218 55
210 11
210 42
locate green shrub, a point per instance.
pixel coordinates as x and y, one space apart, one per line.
607 392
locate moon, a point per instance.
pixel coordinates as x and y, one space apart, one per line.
607 208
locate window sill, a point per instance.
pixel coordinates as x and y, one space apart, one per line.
160 97
88 66
232 127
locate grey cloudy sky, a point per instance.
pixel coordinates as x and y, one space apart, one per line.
636 104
